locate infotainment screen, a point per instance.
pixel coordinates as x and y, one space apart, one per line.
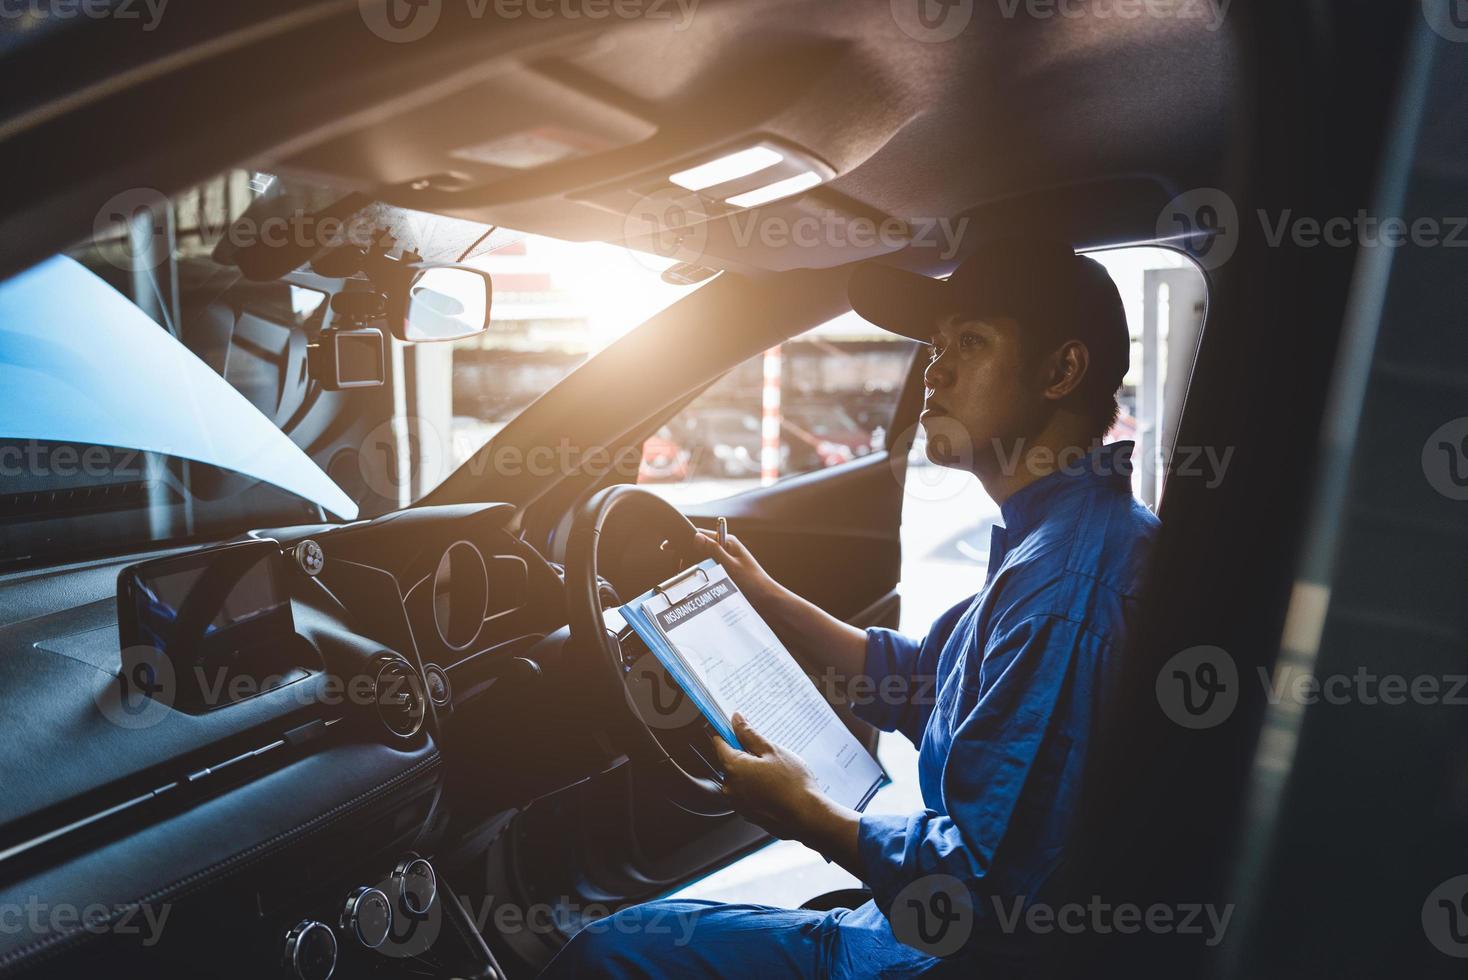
163 594
213 615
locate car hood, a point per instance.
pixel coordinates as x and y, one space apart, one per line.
79 363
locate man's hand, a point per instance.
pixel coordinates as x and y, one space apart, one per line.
742 566
776 790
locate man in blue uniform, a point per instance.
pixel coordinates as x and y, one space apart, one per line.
1005 695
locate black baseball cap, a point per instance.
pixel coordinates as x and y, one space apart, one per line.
1041 283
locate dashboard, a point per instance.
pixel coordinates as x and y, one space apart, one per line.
285 737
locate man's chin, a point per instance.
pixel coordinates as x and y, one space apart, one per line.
948 443
938 457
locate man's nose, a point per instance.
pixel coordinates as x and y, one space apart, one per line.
937 374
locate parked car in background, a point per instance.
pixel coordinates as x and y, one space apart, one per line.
724 442
663 459
822 434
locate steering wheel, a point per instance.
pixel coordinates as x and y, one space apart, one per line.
663 528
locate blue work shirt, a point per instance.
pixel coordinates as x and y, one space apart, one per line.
1020 675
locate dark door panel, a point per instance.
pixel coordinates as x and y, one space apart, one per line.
832 536
886 611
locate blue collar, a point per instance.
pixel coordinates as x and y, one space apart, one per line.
1107 466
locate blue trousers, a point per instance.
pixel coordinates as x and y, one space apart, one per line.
714 939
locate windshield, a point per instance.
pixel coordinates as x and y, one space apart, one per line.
153 392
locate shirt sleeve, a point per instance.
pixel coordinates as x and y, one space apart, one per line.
1039 664
889 654
897 668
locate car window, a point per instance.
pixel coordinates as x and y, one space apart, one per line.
821 399
556 304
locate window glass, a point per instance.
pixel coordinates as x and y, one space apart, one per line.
184 279
555 305
821 399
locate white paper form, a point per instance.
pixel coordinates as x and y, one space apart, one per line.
731 658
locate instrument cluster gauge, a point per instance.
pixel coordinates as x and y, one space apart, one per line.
460 595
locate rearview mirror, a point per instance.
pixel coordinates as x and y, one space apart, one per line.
445 302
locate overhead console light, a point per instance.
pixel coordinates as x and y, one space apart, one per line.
715 183
727 168
774 192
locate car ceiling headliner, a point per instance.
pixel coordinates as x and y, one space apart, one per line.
1012 107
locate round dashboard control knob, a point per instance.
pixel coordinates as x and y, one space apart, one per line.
416 885
310 951
368 916
310 557
439 690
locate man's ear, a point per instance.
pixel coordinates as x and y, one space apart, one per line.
1066 369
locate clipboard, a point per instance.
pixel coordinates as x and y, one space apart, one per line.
653 636
713 651
665 589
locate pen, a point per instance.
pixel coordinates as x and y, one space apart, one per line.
723 532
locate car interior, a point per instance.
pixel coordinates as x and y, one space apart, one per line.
409 695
